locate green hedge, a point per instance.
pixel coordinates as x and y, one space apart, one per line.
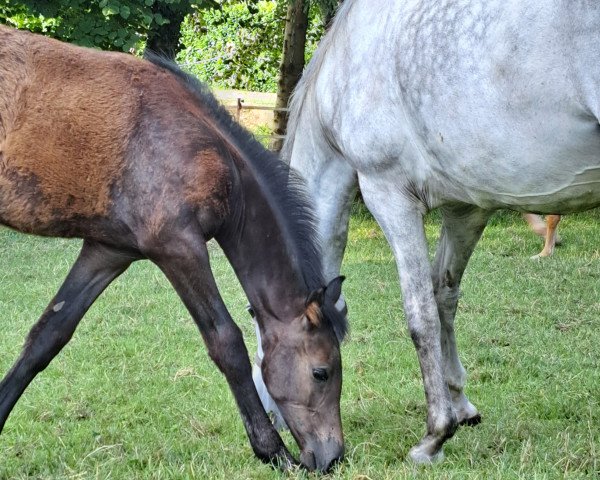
237 48
238 45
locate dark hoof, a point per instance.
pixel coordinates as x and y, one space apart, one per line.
283 461
471 422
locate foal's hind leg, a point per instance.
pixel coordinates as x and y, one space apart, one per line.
461 229
95 268
185 262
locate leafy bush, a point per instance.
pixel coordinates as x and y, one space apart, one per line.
107 24
240 46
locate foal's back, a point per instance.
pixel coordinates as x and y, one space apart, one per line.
84 134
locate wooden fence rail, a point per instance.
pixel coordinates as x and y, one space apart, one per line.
237 112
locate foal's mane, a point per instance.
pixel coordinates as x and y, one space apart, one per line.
284 188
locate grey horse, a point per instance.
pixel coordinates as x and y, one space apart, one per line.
463 105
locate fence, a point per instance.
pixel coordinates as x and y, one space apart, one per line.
237 112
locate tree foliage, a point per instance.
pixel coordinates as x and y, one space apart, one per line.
327 7
227 43
240 44
107 24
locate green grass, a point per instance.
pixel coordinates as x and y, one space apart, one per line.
134 395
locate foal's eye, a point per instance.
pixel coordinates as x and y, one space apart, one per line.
320 374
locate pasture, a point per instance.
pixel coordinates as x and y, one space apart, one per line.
134 395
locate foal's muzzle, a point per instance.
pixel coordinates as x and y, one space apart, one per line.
322 456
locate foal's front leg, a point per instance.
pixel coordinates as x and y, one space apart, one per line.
185 262
93 271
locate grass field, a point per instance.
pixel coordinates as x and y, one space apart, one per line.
134 395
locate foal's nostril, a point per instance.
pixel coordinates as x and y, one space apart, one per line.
328 457
308 460
332 464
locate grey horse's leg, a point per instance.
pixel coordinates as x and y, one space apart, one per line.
334 185
401 217
336 189
461 229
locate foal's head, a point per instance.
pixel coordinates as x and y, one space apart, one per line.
302 370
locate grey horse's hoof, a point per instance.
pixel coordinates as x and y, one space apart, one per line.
421 456
472 421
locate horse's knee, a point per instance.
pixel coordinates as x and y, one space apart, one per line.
227 349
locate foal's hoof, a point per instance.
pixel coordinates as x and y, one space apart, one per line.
284 461
472 421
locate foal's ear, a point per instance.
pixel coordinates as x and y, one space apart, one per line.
330 293
313 308
314 302
316 296
333 291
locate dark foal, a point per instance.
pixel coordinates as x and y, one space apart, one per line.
140 161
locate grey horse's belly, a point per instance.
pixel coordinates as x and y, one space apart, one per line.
576 193
501 120
518 161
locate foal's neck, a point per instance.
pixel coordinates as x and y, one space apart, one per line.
262 252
